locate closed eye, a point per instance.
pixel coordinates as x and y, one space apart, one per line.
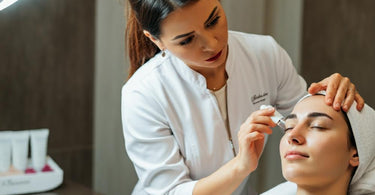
287 129
318 127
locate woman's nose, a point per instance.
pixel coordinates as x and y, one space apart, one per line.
208 42
296 135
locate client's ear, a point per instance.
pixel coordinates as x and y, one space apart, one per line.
354 159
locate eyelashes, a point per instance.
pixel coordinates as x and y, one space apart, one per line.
311 127
186 41
211 24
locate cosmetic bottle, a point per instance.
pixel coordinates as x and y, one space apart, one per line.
276 118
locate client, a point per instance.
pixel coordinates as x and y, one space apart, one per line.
327 152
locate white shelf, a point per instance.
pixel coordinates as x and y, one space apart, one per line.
32 182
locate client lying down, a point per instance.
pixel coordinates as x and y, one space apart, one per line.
327 152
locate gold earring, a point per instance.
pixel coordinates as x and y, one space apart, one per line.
163 53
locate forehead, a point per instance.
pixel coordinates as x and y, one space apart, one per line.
188 18
316 103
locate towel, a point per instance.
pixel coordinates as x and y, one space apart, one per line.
363 125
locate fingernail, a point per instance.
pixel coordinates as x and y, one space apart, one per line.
337 105
329 100
270 109
345 108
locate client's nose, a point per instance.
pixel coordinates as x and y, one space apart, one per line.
296 135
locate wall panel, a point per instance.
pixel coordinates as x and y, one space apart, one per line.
46 77
338 36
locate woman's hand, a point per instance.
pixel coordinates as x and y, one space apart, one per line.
340 92
251 139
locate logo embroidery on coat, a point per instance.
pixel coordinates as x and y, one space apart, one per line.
258 98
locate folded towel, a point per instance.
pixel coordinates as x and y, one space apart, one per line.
363 125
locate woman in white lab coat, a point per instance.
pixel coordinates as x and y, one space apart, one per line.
192 87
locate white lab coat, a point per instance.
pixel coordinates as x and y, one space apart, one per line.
174 133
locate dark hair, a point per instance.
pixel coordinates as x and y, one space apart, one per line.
351 144
146 15
351 138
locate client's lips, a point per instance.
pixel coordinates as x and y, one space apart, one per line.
295 155
214 57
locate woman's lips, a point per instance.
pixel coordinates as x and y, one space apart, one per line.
295 155
215 57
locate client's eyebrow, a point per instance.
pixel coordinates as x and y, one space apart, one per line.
319 114
310 115
290 116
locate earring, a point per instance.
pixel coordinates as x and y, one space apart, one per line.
163 53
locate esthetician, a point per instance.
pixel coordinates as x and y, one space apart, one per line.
192 87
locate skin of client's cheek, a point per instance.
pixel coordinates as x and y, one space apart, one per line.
327 149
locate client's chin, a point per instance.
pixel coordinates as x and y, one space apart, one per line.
298 174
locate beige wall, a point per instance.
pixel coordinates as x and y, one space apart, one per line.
113 171
46 74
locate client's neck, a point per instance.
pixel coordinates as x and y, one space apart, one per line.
337 187
325 191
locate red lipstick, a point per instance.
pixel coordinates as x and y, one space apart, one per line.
214 57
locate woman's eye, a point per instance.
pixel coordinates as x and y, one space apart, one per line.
213 22
318 127
186 41
287 129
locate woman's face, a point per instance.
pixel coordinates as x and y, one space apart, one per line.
315 150
197 34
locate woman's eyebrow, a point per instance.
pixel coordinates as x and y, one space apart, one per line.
310 115
319 114
211 15
189 33
183 35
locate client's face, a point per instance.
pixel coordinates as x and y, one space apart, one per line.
314 149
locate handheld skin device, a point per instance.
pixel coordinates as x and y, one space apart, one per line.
276 118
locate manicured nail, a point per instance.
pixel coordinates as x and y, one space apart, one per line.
337 105
329 100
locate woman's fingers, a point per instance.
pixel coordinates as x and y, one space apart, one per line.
340 92
251 147
316 87
261 116
360 101
254 127
251 137
332 86
350 97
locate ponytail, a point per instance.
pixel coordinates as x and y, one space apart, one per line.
146 15
140 48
